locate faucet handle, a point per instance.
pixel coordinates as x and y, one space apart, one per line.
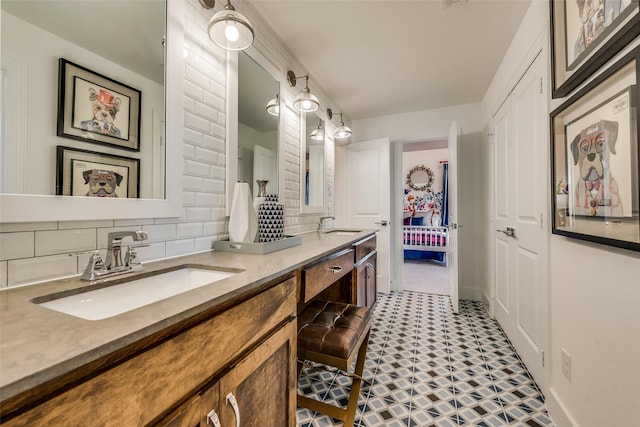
95 265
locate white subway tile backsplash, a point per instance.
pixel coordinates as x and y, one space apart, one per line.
193 91
214 101
135 224
198 214
152 252
205 199
188 198
192 167
198 123
188 151
17 245
215 228
69 225
187 229
205 111
27 226
204 155
64 241
189 104
3 274
191 136
158 233
196 77
204 243
192 183
40 269
214 143
215 186
180 247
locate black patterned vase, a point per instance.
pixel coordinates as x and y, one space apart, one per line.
270 219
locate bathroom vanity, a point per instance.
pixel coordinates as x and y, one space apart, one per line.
221 353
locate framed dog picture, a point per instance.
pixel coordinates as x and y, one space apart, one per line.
89 174
95 108
587 33
595 157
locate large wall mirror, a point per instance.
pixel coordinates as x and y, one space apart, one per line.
35 35
312 165
253 130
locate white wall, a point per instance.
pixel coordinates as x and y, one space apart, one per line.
593 295
32 252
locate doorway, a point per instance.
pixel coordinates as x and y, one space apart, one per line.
424 217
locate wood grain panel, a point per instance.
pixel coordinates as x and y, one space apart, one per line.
321 275
144 387
365 247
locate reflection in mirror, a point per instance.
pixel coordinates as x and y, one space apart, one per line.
312 165
35 35
257 129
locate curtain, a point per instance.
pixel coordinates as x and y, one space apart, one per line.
445 193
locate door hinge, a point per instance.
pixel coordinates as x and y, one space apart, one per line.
541 223
540 84
542 354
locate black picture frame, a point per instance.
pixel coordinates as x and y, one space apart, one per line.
573 60
594 159
98 109
85 173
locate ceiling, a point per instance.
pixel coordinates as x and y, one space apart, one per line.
375 58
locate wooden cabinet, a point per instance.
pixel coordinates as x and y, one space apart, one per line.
364 279
247 349
256 392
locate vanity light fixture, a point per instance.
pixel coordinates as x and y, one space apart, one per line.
229 29
318 133
306 101
342 131
273 106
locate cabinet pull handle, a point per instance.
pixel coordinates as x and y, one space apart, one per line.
369 268
335 269
231 399
213 417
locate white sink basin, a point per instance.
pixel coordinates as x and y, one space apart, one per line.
117 299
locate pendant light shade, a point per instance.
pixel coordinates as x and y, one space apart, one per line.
342 131
306 101
273 106
318 133
230 29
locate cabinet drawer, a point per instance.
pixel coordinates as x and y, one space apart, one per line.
365 247
142 388
320 276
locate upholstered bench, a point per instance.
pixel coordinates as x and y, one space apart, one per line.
333 333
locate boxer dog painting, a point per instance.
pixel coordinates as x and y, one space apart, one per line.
102 183
596 190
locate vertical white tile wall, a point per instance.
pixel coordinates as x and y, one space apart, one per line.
36 252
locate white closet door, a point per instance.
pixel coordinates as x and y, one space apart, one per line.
520 176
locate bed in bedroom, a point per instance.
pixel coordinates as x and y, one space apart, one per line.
424 241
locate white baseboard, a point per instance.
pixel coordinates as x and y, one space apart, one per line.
558 412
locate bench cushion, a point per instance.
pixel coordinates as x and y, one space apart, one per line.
332 328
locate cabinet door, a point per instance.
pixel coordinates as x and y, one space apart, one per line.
360 285
200 411
263 384
371 282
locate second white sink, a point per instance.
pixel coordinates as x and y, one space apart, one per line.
117 299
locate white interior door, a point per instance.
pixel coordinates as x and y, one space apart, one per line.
368 197
452 238
520 204
265 167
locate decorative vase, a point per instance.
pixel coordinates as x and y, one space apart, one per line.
262 192
243 223
270 219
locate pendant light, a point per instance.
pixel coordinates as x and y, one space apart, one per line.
342 131
318 133
229 29
306 101
273 106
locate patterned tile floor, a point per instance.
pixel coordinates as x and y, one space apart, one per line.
430 367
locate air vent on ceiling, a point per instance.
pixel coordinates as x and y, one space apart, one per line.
446 4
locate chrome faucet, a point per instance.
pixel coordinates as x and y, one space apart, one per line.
114 264
322 220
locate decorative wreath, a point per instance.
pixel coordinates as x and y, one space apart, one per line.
419 187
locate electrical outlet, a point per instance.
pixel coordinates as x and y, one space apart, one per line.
566 365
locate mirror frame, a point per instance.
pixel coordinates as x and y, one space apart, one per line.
232 120
16 208
415 169
312 209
